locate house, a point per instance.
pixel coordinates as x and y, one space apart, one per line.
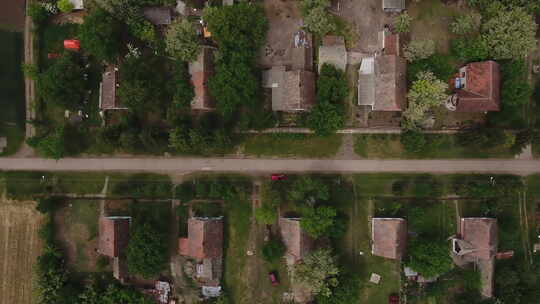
113 235
477 242
382 83
159 15
393 6
107 90
297 243
477 88
333 51
204 244
302 51
292 91
201 70
389 237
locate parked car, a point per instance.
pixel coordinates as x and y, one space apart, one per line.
278 177
393 299
273 278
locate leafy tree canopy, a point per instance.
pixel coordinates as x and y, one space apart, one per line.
100 35
182 40
63 83
429 258
321 221
306 189
51 145
147 253
318 271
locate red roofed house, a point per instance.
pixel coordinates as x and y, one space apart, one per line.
204 244
72 45
108 90
297 242
113 235
201 70
477 87
389 237
477 243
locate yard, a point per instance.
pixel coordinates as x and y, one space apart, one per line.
440 146
12 100
19 226
77 232
292 145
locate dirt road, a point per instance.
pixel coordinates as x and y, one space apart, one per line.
520 167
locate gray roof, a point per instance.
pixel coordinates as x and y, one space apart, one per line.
158 15
291 90
366 82
393 4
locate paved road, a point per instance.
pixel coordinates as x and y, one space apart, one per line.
521 167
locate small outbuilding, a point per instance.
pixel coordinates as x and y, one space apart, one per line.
108 90
72 45
113 235
393 6
77 4
159 15
389 237
298 243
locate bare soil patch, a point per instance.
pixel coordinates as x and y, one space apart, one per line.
19 248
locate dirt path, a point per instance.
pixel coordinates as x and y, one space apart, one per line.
29 83
346 150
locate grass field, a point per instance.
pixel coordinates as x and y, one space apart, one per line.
19 225
292 145
12 116
442 146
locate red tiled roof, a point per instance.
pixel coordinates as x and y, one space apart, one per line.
389 236
72 44
482 234
201 70
391 44
205 238
297 242
183 246
482 91
113 235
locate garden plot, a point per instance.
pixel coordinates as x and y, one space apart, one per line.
19 226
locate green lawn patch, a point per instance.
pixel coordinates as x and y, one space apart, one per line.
441 146
144 185
292 145
12 101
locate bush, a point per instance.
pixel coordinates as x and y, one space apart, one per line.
419 49
403 23
273 250
469 49
465 24
51 145
442 66
266 214
429 258
49 204
515 88
147 251
346 292
38 13
65 6
413 141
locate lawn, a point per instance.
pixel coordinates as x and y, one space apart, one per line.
12 101
292 145
77 231
441 146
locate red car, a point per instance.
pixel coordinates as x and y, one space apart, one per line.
393 299
278 177
273 279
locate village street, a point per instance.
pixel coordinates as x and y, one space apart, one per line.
519 167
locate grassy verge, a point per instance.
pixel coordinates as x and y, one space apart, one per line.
439 146
292 145
12 100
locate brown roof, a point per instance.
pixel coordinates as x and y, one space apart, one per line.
482 88
300 90
389 237
390 83
482 234
158 15
391 44
107 98
201 70
297 242
205 238
333 40
113 235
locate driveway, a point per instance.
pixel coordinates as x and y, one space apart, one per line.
171 165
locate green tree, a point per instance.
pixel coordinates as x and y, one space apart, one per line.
321 221
100 35
327 115
318 271
63 83
266 214
182 40
65 6
306 188
429 258
515 88
273 250
183 88
466 24
38 13
510 33
317 19
425 93
147 253
51 145
402 23
49 204
346 292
